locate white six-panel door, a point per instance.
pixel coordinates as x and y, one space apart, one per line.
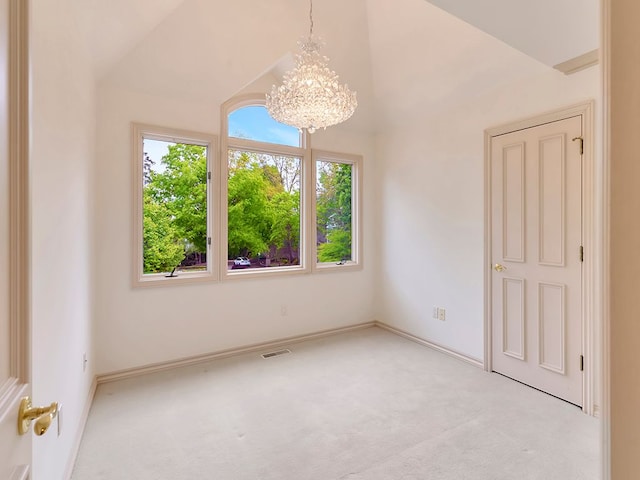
536 212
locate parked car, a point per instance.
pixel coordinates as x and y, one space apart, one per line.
241 262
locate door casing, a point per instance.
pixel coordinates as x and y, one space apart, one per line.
591 220
17 126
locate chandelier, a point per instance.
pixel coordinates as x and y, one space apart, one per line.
311 96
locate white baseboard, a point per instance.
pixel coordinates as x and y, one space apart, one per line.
460 356
207 357
83 423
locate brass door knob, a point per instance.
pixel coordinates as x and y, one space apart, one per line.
42 415
499 268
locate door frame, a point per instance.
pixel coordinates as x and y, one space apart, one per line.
19 231
20 241
591 224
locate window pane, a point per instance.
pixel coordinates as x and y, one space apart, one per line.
333 211
174 207
255 123
263 210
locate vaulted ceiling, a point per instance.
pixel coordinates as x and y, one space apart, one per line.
392 53
551 31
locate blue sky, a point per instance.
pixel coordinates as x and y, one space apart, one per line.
255 123
249 122
156 149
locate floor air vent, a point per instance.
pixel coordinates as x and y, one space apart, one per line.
275 354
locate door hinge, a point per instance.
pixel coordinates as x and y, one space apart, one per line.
208 175
581 253
208 240
582 363
581 144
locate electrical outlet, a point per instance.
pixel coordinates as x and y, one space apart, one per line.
441 314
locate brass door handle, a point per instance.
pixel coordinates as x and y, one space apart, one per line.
499 268
42 415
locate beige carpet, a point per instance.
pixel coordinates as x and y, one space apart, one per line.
365 405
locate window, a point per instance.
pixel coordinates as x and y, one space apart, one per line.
263 210
173 238
336 209
285 207
288 208
265 171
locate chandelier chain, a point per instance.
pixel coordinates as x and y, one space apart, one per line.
311 96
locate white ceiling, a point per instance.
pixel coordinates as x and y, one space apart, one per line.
551 31
393 54
434 60
113 27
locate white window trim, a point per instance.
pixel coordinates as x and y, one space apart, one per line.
139 133
356 213
302 152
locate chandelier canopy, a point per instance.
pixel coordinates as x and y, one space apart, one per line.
311 96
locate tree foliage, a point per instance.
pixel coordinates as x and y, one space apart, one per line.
263 205
182 189
248 213
333 211
147 166
162 247
175 207
285 226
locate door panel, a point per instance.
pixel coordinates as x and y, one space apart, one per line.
15 450
536 211
552 205
551 327
513 317
513 203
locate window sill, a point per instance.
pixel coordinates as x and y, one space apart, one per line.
269 272
162 280
337 267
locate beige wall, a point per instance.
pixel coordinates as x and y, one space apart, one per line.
624 268
432 214
140 326
62 159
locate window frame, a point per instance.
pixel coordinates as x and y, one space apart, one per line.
355 161
232 143
140 132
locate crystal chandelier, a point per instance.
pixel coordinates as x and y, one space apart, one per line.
311 96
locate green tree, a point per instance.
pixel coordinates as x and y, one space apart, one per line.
181 188
248 218
175 207
343 192
263 204
337 248
334 211
285 227
147 168
162 246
